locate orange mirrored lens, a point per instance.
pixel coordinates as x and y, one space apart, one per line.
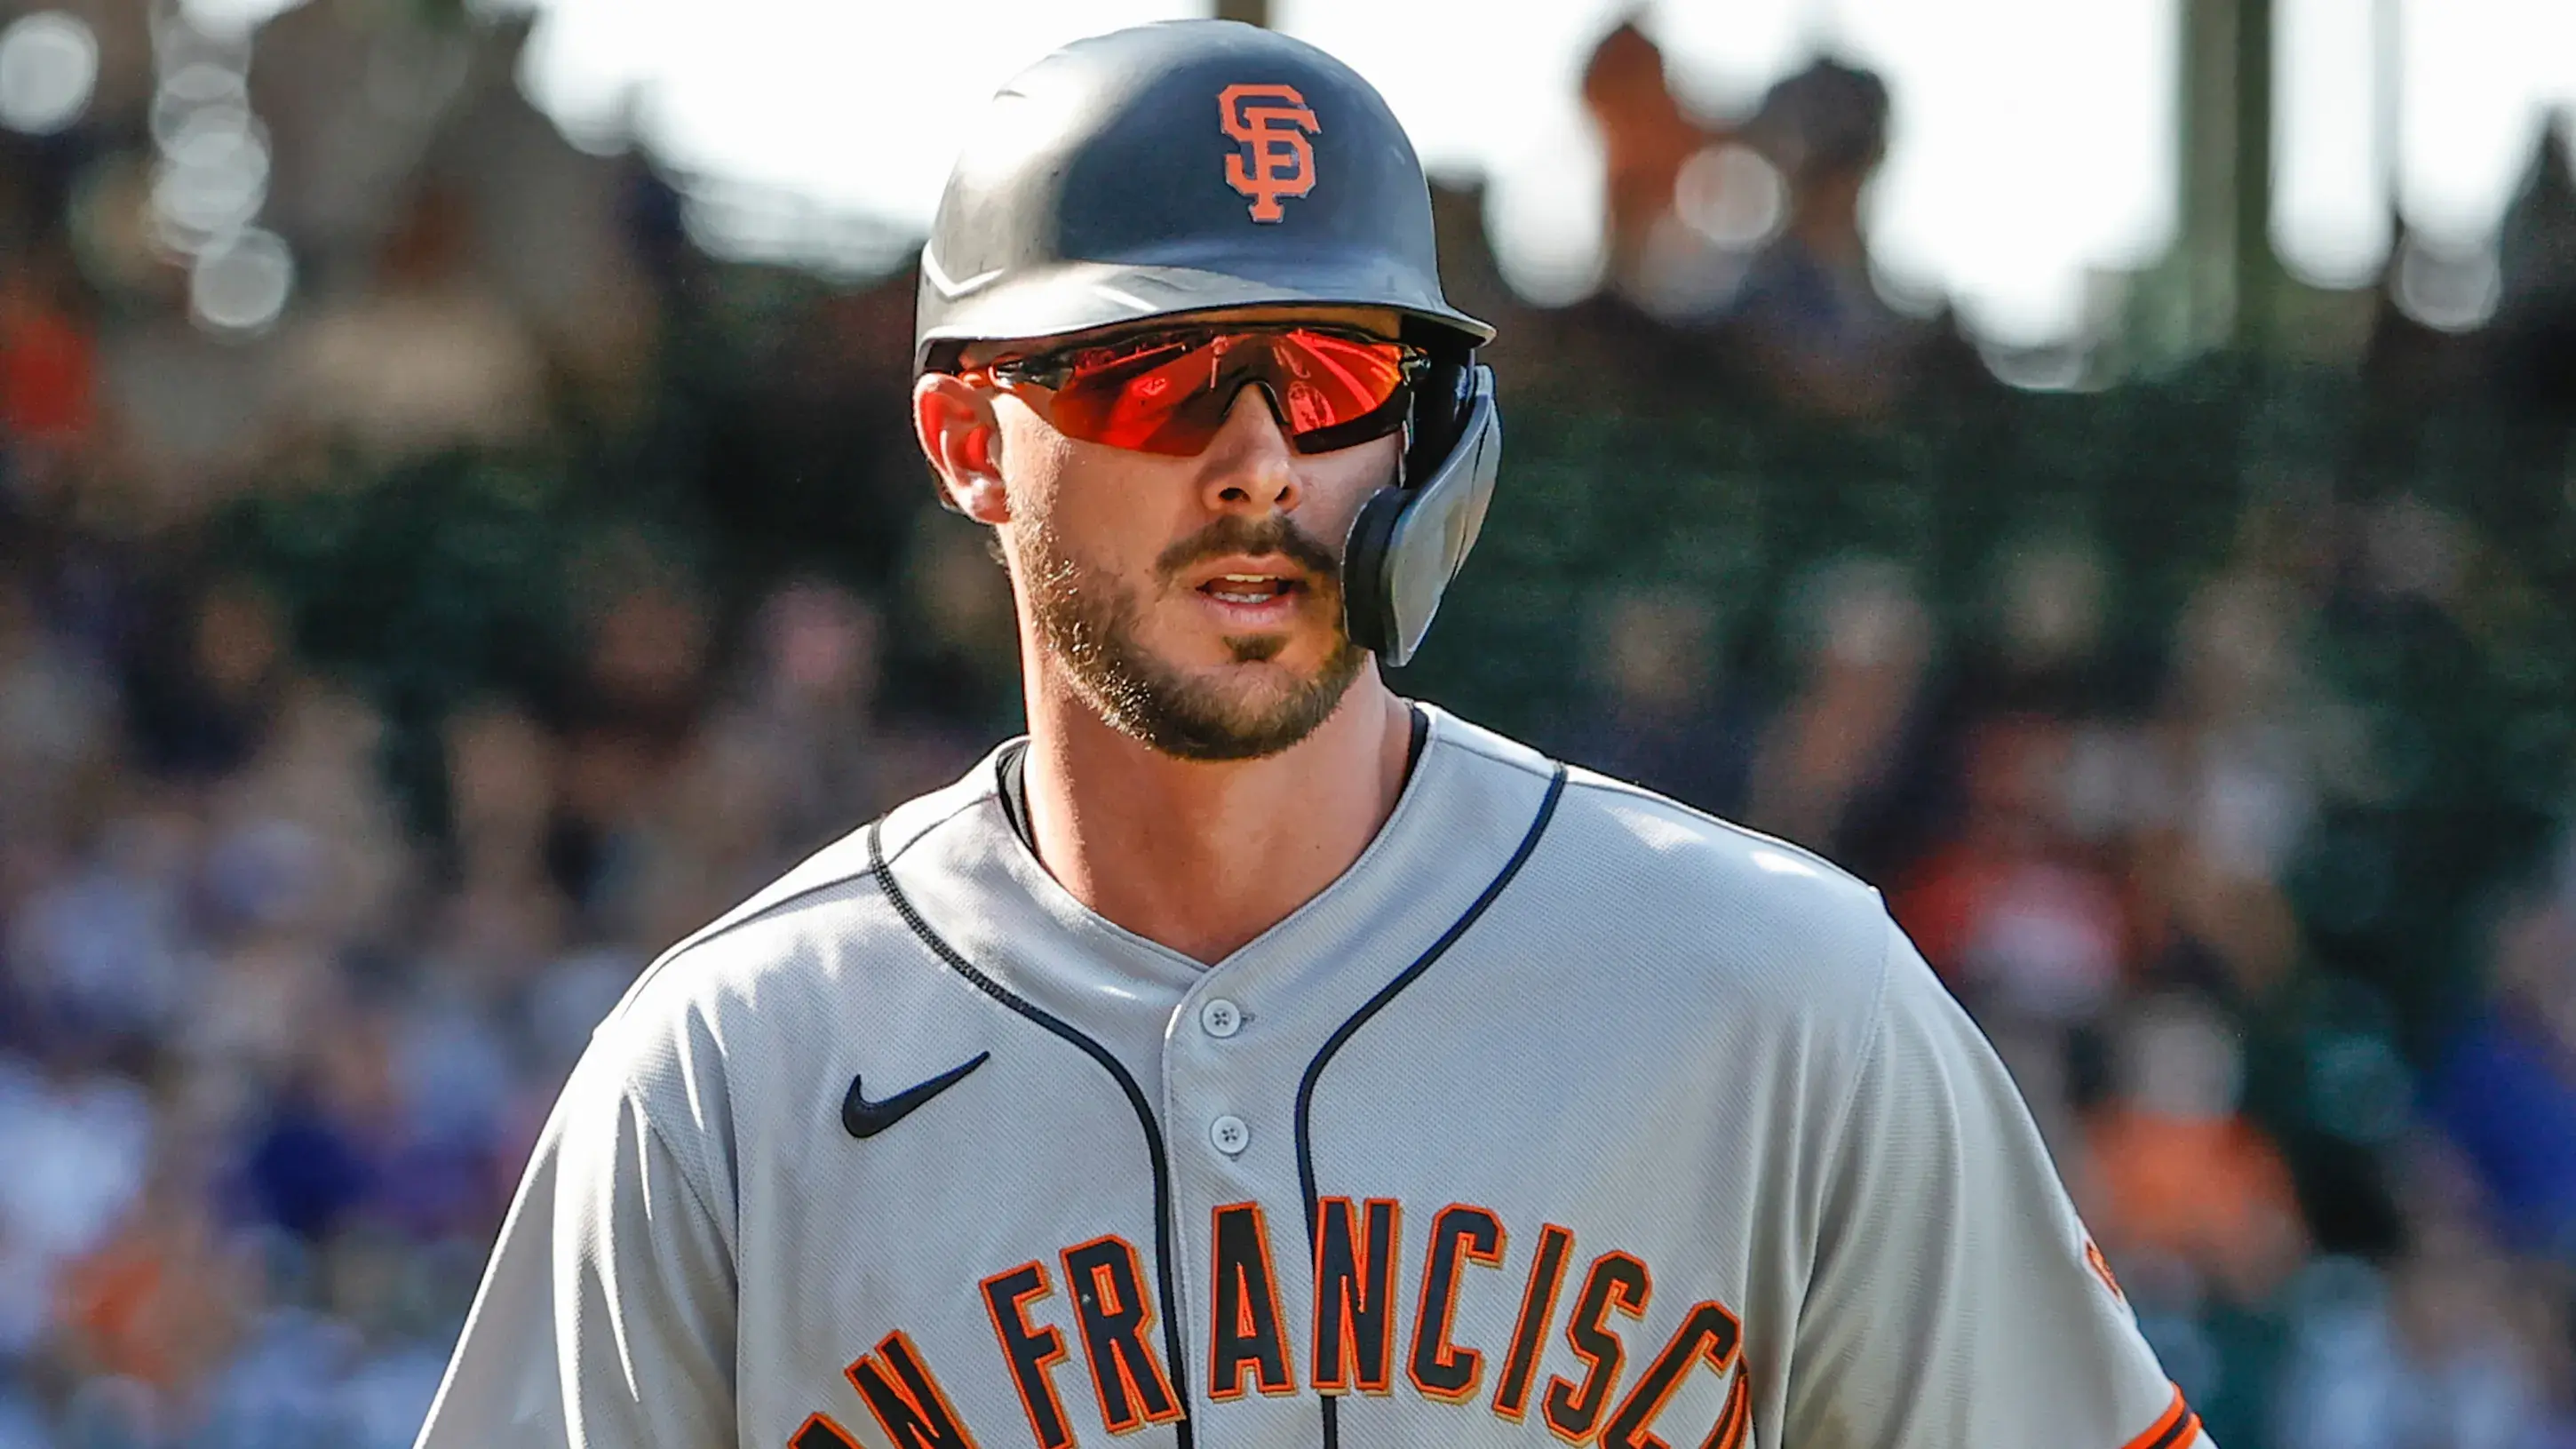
1327 390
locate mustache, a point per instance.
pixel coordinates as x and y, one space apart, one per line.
1233 534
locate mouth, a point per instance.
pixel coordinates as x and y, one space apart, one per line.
1249 589
1253 594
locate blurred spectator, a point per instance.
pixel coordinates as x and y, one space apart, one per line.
1650 144
2450 1346
629 727
310 1167
48 363
57 721
429 357
2505 1087
809 712
92 1131
1660 723
99 948
2226 792
1809 306
303 838
2242 698
554 232
507 907
2536 273
154 1303
2049 615
1646 134
350 101
2010 914
1839 743
2175 1171
205 687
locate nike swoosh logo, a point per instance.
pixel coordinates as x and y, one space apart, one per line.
866 1119
949 287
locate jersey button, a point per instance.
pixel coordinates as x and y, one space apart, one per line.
1220 1017
1230 1135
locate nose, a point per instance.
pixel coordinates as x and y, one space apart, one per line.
1249 466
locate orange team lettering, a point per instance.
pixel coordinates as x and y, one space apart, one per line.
1114 1314
907 1402
1617 1280
1354 1295
1245 1327
1102 1311
1271 124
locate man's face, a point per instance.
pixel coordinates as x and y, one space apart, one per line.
1195 603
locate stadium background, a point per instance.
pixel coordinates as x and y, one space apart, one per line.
434 575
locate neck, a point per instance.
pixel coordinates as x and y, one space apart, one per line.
1204 856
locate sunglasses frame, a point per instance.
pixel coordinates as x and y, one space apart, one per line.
1055 367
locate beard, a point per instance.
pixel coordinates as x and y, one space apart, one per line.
1090 623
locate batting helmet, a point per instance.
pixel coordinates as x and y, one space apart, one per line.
1195 165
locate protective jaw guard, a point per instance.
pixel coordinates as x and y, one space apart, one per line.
1409 540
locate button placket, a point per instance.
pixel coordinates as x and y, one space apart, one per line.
1220 1019
1229 1135
1219 1081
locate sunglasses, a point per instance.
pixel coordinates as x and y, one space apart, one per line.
1169 392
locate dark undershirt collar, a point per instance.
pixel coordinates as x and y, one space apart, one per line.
1014 767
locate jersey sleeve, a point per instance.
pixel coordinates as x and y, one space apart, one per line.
1955 1300
606 1316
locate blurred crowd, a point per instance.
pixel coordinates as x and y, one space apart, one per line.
299 935
2099 867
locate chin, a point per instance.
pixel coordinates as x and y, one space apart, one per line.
1232 711
1292 653
1253 690
1237 686
1263 653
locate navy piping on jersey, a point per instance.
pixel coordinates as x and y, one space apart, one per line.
1315 1069
883 870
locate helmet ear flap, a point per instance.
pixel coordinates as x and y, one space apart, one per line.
1368 604
1408 541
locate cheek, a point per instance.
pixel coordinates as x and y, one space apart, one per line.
1339 483
1112 509
1034 459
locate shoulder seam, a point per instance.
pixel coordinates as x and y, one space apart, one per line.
1542 767
680 1162
1877 1020
1612 785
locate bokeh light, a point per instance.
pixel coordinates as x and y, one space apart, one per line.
48 67
2330 218
2448 287
241 285
1732 196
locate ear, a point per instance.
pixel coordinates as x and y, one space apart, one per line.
955 425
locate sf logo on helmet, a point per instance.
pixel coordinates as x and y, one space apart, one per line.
1271 123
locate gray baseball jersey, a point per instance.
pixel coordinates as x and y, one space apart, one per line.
1565 1112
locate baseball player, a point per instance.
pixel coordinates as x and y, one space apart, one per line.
1250 1058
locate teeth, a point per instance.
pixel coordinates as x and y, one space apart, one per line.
1246 588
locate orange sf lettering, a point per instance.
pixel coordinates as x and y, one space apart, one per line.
1271 124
